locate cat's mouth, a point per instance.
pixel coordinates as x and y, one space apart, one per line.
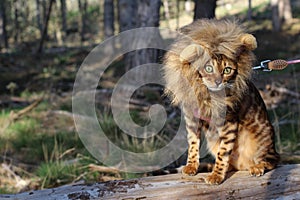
217 88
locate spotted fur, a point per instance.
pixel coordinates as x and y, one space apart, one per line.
208 72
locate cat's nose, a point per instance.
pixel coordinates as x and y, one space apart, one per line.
218 81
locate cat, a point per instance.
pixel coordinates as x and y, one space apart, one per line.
208 72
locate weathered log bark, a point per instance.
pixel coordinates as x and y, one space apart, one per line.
281 183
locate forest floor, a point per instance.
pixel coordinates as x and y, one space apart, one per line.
39 145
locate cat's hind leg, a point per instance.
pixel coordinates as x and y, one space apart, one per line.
266 157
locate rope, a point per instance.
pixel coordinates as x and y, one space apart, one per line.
293 61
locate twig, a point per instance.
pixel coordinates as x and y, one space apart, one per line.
283 90
62 112
20 183
103 169
66 152
15 116
287 91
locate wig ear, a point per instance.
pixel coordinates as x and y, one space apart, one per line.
248 41
191 52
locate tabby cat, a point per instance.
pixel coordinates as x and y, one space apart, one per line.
208 72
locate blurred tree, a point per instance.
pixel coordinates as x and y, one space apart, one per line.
205 9
24 18
127 14
109 23
285 10
41 15
45 28
109 18
136 14
167 12
38 16
3 23
63 10
17 6
177 14
249 12
57 31
148 13
281 13
82 6
148 16
44 8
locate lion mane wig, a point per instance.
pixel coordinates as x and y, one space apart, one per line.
200 41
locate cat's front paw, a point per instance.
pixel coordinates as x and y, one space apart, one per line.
190 169
214 179
257 170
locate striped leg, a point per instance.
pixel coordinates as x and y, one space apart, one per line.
193 136
266 157
227 136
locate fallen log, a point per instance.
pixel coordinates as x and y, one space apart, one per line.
280 183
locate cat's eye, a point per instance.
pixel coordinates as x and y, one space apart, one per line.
227 70
208 68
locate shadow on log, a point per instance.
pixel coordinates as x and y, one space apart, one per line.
280 183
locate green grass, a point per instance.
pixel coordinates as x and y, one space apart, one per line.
128 142
58 156
59 172
51 152
28 137
286 123
64 167
56 173
5 191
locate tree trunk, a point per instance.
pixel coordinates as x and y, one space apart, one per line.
148 13
57 31
82 5
16 21
147 16
38 17
177 14
135 14
285 10
281 13
280 183
205 9
40 49
249 12
109 18
63 10
167 12
276 20
127 14
3 22
25 17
